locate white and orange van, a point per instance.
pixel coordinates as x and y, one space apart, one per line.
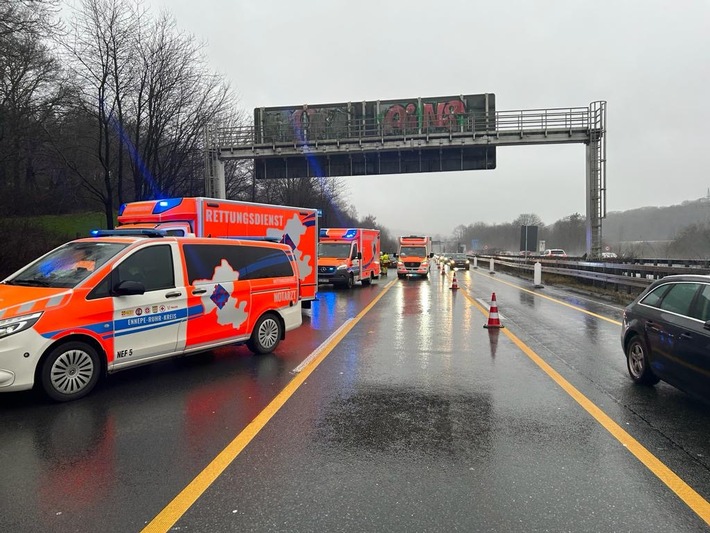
126 298
348 255
413 256
215 217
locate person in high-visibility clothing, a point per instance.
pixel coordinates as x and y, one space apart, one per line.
384 263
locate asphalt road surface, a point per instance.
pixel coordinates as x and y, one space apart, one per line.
391 409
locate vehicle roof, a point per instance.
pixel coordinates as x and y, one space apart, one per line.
705 278
130 239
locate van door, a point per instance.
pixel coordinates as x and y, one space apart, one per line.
220 294
147 325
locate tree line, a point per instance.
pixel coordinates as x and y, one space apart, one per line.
109 105
567 233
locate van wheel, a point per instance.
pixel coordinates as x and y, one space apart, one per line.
637 362
266 335
351 282
367 280
70 371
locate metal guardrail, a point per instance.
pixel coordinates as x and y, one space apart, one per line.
465 124
636 274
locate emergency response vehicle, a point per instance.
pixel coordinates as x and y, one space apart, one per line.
413 256
126 298
212 217
348 255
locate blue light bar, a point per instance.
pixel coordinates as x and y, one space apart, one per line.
121 209
165 205
323 232
350 234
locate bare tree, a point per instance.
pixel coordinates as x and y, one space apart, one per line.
31 93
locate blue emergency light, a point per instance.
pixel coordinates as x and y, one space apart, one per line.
350 234
166 205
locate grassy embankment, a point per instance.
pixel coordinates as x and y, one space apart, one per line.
27 238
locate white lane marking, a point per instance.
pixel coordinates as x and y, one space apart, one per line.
315 353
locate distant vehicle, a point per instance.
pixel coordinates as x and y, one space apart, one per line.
666 332
554 252
348 255
413 256
458 261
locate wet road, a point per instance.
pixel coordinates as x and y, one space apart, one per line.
412 417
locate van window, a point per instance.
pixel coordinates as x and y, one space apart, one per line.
252 262
152 266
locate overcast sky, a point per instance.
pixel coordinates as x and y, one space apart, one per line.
649 60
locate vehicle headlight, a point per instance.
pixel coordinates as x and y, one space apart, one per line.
17 324
342 267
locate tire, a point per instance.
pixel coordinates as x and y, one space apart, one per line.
367 280
351 282
637 362
70 371
401 276
267 334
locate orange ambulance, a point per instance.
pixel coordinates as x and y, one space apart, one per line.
348 255
129 297
212 217
413 256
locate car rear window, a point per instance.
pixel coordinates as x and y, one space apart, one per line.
654 297
701 309
679 297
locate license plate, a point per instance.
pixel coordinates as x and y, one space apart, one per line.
322 280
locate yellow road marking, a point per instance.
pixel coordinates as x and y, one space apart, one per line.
692 499
189 495
536 293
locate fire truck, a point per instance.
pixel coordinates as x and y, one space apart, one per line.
413 256
348 255
212 217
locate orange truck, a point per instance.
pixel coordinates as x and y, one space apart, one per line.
212 217
348 255
413 256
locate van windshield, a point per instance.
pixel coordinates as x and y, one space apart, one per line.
66 266
334 249
417 251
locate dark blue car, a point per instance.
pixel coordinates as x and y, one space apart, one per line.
666 334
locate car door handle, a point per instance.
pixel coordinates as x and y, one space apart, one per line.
199 291
651 326
173 295
685 336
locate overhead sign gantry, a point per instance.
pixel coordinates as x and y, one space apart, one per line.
408 135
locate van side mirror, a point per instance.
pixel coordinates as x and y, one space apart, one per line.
359 255
431 254
127 288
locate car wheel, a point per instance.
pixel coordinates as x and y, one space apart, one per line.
351 282
637 362
70 371
266 335
367 280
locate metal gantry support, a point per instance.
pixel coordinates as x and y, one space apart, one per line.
510 128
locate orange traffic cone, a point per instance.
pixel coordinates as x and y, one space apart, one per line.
443 270
454 283
493 320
